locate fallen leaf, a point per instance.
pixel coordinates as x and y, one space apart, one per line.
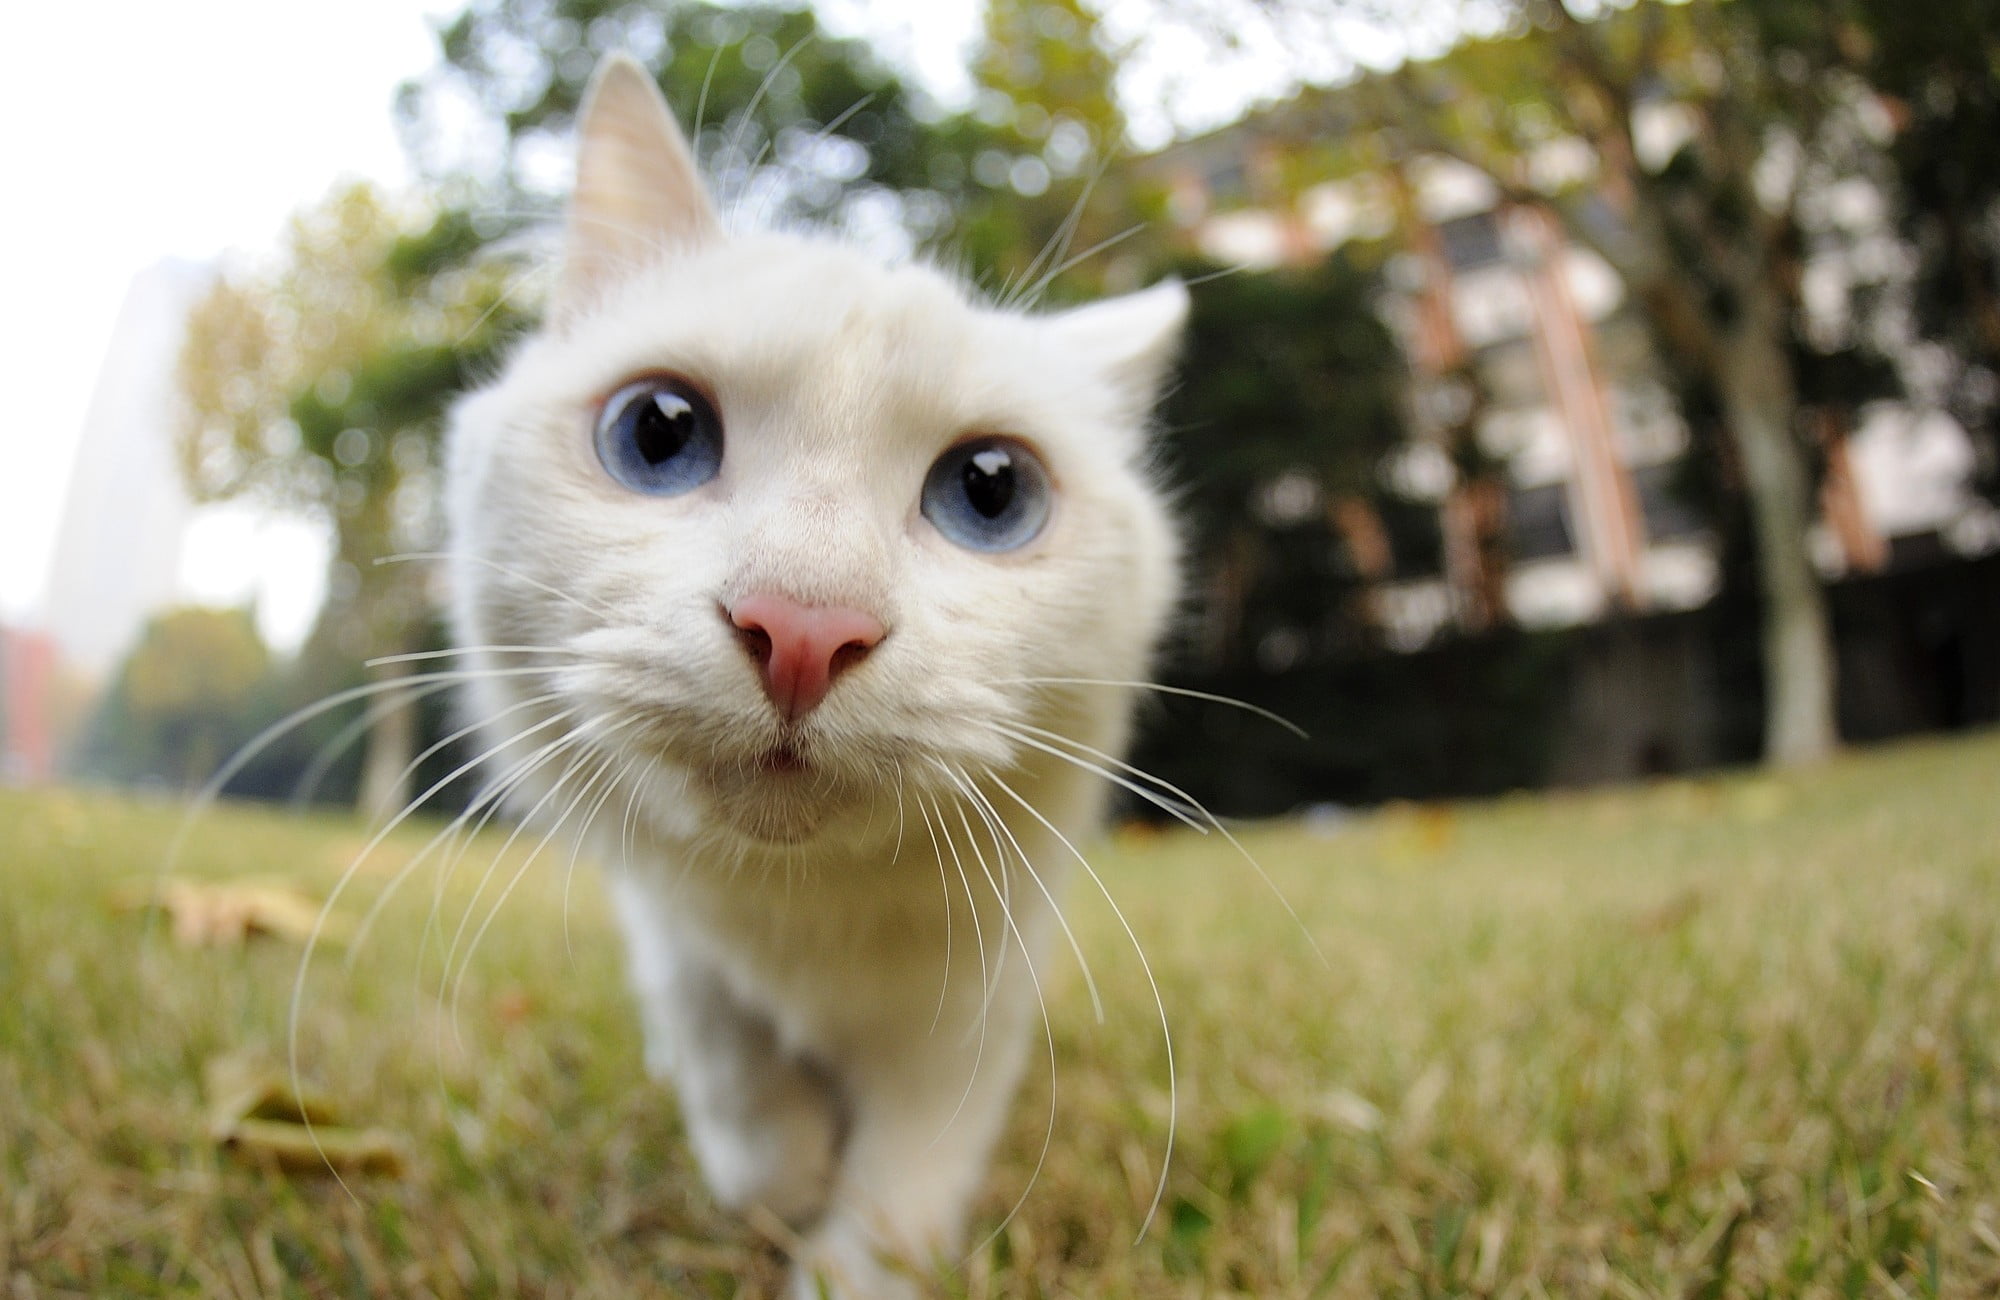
323 1148
243 1085
219 914
255 1112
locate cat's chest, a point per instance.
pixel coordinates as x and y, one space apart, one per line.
806 912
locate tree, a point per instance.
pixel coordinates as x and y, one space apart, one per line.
1278 435
1701 151
791 123
185 696
787 121
1045 138
1936 69
320 388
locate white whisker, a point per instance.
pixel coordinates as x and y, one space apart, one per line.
1048 278
701 103
577 736
1183 691
1187 801
1166 1032
980 801
748 115
1152 797
1013 294
485 805
382 900
1049 1130
518 576
987 985
520 872
417 656
1236 268
1007 926
258 743
312 944
569 876
897 854
944 887
1001 891
328 754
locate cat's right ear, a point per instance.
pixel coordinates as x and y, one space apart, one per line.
1131 340
637 190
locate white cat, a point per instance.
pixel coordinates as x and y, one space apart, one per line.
838 557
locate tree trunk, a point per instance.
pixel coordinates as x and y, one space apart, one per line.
392 741
1759 405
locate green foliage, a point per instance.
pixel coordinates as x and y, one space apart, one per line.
1289 402
1288 372
784 116
321 388
794 123
451 241
191 689
1048 121
1937 69
1249 1144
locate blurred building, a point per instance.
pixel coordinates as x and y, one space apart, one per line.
1524 343
117 556
27 697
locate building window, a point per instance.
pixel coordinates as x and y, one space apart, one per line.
1416 536
1538 522
1472 241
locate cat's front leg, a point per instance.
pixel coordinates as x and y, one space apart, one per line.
923 1116
766 1124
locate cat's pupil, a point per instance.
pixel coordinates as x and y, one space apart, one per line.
989 481
664 427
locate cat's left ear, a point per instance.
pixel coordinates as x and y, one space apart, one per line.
637 190
1132 339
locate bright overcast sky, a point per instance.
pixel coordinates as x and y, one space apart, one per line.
141 131
146 129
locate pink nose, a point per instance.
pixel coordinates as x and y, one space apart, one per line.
800 649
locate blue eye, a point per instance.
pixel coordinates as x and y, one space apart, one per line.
990 494
659 436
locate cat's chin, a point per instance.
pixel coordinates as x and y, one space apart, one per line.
781 800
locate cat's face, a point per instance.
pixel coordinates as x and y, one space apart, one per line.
724 446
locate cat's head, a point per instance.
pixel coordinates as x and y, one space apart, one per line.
810 532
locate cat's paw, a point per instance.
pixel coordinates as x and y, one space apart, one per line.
852 1271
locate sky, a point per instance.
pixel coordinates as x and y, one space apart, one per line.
163 130
192 130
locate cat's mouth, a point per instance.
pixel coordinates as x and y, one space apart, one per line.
781 796
782 759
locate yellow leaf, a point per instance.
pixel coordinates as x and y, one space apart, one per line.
254 1112
215 914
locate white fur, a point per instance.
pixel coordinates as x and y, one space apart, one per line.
788 933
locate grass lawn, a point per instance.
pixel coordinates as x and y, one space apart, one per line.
1702 1039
